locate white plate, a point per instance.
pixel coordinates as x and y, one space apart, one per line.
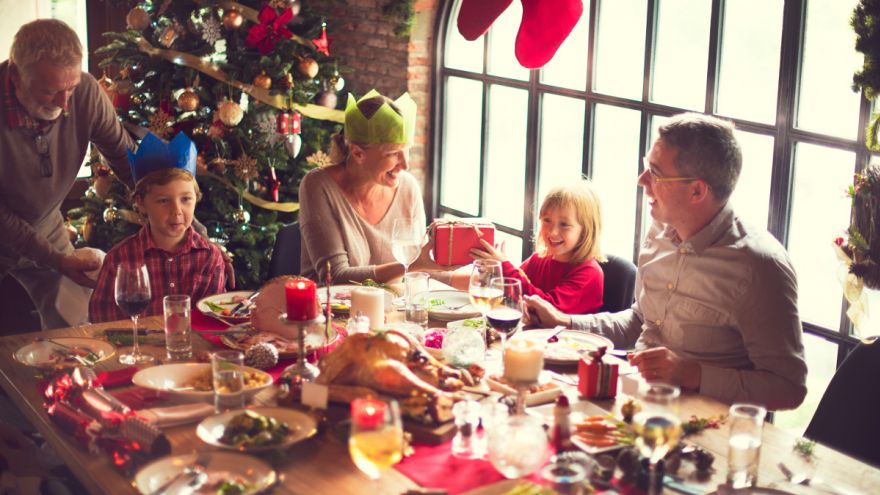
174 381
254 473
571 346
228 300
579 410
287 348
45 354
340 297
449 305
301 426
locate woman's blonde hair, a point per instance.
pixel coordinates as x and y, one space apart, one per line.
161 178
587 211
50 40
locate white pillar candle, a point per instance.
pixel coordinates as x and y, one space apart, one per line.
371 302
523 360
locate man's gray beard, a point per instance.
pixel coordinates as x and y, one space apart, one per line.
37 111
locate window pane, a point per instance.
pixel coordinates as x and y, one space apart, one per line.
827 103
620 54
749 63
460 180
568 68
681 53
562 143
751 198
821 361
647 219
502 60
820 211
461 53
513 246
505 170
615 171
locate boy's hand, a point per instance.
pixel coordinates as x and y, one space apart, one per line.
75 269
230 270
489 252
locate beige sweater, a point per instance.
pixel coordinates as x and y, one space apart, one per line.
333 230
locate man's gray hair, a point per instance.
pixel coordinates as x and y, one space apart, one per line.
50 40
707 149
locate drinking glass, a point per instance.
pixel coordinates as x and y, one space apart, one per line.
505 316
178 328
744 444
483 296
517 446
376 439
415 307
406 244
227 372
133 295
657 425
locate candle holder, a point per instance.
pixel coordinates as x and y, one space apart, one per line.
522 388
306 371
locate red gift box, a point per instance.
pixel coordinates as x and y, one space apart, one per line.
453 239
597 379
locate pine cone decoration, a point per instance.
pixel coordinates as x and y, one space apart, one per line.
261 356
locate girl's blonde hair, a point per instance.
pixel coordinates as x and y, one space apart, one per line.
587 211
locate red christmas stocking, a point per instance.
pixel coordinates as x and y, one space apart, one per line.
545 25
476 16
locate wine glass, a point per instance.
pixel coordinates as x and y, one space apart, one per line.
507 312
376 439
133 297
657 425
406 244
480 290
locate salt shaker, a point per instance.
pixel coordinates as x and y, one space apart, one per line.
466 444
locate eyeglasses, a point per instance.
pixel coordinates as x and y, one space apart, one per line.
657 180
45 159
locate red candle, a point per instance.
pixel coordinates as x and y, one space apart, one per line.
368 413
302 299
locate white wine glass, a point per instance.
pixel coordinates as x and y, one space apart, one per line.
376 440
406 244
506 313
132 291
480 290
657 426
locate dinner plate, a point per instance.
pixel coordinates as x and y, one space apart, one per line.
571 346
301 426
579 411
183 382
242 337
340 297
227 300
255 474
51 354
449 305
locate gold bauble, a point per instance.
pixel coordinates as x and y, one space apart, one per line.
188 101
230 113
232 19
308 67
138 19
263 81
88 228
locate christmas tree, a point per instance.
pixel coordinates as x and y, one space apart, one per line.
253 84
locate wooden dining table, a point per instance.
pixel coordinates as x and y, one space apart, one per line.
321 464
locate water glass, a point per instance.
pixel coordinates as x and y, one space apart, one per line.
178 328
744 444
227 369
517 446
415 306
466 444
464 346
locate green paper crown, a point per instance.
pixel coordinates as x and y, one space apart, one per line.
385 126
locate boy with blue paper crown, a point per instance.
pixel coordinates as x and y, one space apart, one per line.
179 261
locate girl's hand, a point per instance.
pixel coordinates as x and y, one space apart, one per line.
489 252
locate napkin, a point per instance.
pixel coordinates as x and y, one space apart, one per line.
72 299
163 417
116 378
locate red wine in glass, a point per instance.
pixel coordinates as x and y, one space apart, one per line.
133 306
133 295
504 319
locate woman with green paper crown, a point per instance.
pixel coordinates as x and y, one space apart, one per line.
347 209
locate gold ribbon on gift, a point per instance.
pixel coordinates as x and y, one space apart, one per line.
278 101
289 207
451 224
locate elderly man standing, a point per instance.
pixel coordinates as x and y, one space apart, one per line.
716 300
51 111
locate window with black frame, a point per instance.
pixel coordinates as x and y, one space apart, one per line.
506 135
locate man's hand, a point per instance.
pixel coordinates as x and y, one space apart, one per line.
659 364
545 313
75 269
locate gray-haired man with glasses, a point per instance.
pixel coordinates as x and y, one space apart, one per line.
51 111
716 299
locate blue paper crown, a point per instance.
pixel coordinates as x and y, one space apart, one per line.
155 154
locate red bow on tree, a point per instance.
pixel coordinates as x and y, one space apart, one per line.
265 35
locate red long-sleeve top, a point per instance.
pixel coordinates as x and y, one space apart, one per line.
574 288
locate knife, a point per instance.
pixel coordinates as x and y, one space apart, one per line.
246 303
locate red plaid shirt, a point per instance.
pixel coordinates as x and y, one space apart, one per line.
196 269
16 116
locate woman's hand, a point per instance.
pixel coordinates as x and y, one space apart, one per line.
424 263
489 252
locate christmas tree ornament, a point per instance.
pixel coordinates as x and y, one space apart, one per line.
230 113
107 85
263 81
326 99
322 43
211 30
289 123
262 355
245 167
272 184
219 165
308 67
240 215
293 144
337 82
160 123
134 73
319 159
201 166
88 229
188 101
286 82
270 30
137 100
138 19
294 5
232 19
169 34
110 214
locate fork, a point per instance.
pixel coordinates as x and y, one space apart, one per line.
197 469
89 360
